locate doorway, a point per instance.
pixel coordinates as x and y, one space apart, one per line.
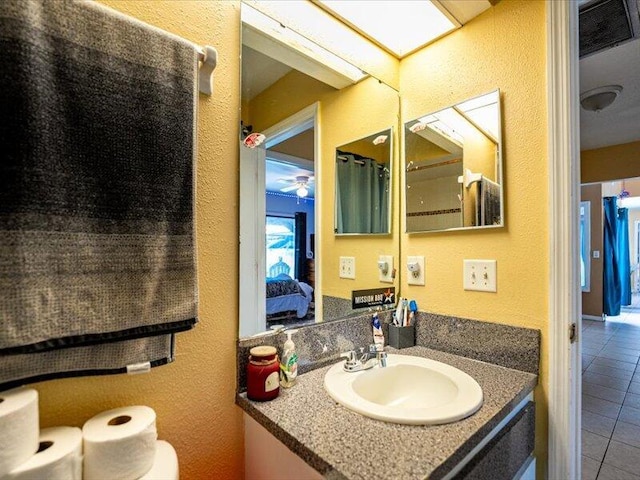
609 142
290 189
276 221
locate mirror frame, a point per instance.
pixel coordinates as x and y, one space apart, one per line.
500 159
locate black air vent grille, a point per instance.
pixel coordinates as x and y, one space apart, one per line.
603 25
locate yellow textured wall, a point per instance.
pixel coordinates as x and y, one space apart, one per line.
345 116
504 48
422 150
381 152
300 146
358 111
479 154
194 396
287 96
632 185
610 163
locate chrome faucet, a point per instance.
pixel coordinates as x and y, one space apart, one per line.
366 361
382 359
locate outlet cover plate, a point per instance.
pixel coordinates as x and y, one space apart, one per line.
480 275
388 277
348 267
416 278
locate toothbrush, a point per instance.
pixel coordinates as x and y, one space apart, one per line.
398 315
404 313
413 306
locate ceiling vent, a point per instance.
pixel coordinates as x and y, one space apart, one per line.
607 23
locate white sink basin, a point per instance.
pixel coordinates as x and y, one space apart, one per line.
409 390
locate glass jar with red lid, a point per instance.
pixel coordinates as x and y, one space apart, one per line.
263 374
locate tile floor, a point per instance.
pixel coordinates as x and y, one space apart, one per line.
611 396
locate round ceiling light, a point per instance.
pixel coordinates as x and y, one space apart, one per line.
302 191
599 98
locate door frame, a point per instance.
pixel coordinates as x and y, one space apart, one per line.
636 255
565 374
252 303
290 126
587 239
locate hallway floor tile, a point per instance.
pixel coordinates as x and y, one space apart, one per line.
611 397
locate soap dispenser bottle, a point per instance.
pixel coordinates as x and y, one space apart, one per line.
288 362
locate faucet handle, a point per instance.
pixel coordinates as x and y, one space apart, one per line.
350 356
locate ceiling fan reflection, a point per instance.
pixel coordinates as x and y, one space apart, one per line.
300 184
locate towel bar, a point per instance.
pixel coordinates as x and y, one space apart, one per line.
209 58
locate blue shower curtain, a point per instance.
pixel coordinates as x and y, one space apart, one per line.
624 264
611 275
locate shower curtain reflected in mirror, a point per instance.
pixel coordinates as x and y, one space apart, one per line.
362 197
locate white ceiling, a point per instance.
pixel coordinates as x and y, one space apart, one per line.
259 72
279 175
620 122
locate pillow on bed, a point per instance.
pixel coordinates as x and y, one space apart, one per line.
283 284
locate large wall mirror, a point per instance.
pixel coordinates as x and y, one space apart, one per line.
453 162
307 103
363 185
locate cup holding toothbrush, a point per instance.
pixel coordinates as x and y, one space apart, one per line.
402 337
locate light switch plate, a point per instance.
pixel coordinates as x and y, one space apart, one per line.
596 254
348 267
480 275
415 277
386 277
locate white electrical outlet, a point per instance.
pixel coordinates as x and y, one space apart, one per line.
480 275
348 267
385 268
415 270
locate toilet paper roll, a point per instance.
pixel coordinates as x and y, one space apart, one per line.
119 444
19 427
165 464
59 457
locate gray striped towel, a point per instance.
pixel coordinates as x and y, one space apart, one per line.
97 133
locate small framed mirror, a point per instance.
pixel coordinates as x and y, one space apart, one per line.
363 185
453 162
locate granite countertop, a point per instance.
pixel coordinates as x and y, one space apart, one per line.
340 443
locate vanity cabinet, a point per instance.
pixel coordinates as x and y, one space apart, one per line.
507 453
267 458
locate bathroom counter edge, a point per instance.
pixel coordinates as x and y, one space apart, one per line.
339 443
